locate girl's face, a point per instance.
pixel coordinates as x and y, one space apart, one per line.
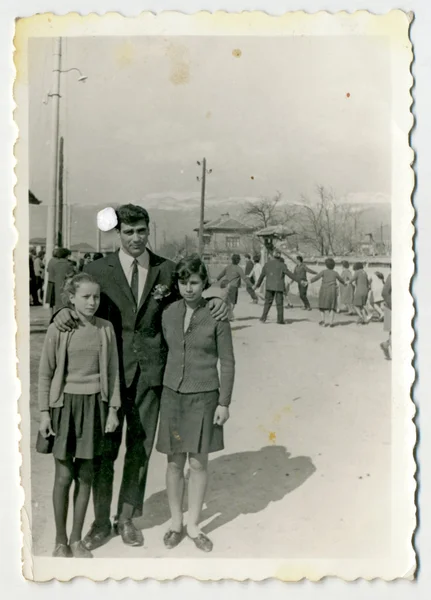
191 289
86 299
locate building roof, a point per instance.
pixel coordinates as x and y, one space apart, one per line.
226 223
275 230
82 247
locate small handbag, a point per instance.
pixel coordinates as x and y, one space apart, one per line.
44 445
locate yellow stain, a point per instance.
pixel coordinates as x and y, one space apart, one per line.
236 53
272 437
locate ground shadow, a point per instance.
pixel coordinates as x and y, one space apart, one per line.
239 327
241 483
343 323
246 319
289 321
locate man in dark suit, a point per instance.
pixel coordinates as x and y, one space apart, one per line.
274 271
136 285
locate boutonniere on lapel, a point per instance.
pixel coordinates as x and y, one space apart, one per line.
161 291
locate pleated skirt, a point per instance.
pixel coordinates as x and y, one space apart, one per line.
186 423
79 426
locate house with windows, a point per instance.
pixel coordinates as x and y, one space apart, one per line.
225 236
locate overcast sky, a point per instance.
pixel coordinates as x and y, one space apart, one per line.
277 117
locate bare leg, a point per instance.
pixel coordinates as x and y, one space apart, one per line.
197 487
81 496
322 317
358 311
60 497
175 489
331 317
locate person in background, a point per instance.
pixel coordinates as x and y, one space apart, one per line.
39 272
230 279
255 274
346 291
300 273
286 290
60 271
360 296
33 280
274 273
195 401
249 278
375 297
79 395
328 292
50 289
387 326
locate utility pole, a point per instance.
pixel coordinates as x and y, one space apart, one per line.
155 236
202 179
52 199
69 227
60 238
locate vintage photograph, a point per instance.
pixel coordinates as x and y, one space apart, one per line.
213 220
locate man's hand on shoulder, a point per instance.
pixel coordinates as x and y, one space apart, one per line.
218 309
66 320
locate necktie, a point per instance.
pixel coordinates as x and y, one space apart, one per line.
134 284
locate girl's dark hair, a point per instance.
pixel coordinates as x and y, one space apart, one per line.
97 255
129 214
236 259
300 259
191 265
256 258
358 266
72 283
330 263
345 264
380 275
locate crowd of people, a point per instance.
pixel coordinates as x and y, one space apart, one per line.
60 266
352 291
134 340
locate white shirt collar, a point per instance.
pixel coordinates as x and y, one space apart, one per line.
127 260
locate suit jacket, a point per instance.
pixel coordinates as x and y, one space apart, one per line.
138 329
274 271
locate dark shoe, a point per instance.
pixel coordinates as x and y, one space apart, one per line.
80 551
129 534
96 537
171 539
62 551
281 323
202 542
385 349
262 320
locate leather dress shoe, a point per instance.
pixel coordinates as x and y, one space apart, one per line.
202 542
96 537
130 535
62 551
171 539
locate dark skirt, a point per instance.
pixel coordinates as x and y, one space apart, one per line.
79 426
360 298
232 294
186 423
346 294
328 298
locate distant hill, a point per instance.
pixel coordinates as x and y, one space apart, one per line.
175 223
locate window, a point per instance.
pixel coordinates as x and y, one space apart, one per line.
233 241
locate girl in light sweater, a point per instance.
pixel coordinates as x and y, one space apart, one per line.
78 400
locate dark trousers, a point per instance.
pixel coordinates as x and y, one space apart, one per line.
269 299
140 409
303 289
33 291
250 290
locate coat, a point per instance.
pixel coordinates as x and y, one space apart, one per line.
52 366
138 329
274 271
194 354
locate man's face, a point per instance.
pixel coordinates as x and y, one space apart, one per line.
134 237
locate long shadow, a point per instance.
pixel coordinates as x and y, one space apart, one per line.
289 321
247 319
343 323
239 327
241 483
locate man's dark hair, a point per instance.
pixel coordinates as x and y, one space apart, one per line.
63 252
236 259
247 256
300 259
256 258
130 214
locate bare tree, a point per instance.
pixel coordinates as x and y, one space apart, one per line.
265 211
329 226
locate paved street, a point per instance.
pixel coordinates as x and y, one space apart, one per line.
306 469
